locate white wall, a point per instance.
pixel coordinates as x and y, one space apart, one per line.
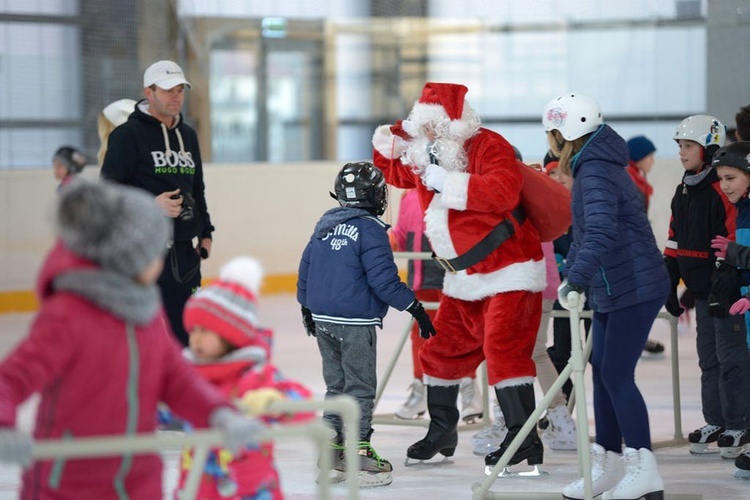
263 210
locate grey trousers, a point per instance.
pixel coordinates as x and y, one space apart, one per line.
725 368
349 355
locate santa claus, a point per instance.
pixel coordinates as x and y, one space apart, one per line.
470 186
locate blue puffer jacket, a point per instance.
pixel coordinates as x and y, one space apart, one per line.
347 274
614 252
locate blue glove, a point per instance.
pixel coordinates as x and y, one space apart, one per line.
562 295
16 447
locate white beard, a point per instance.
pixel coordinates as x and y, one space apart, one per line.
447 153
447 149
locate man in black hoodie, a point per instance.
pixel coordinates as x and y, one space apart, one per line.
156 151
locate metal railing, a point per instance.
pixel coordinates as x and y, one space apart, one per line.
202 441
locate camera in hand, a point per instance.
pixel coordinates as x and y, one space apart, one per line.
188 206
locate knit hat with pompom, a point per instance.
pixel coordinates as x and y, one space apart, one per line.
228 306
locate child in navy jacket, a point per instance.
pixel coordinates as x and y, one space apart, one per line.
347 279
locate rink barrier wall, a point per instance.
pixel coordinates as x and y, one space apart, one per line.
259 209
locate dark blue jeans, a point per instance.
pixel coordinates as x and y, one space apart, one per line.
619 409
724 361
349 367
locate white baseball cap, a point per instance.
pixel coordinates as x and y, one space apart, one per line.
165 75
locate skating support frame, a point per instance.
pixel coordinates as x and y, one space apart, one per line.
576 367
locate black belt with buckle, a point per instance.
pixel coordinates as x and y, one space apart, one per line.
484 248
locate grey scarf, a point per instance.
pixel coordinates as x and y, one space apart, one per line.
113 292
695 179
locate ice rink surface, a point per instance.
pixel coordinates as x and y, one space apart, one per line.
297 356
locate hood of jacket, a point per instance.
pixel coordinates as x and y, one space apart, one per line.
64 271
604 145
336 216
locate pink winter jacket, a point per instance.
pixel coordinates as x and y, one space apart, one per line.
97 375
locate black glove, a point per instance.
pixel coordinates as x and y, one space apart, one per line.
673 268
426 330
725 290
308 322
673 304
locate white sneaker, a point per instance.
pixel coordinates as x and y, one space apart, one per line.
491 436
416 404
561 433
641 477
606 472
471 400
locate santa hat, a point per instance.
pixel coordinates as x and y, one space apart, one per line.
228 307
439 101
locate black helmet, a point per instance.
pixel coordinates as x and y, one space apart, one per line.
735 155
361 185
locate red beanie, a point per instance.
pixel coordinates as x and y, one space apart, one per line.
448 95
228 307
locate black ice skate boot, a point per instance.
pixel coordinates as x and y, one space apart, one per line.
732 442
442 435
742 463
517 403
700 438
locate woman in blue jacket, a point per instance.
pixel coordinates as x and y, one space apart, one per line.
615 258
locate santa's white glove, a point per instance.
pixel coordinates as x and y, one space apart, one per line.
434 177
238 431
16 447
562 295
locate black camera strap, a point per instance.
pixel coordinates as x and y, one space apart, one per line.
175 266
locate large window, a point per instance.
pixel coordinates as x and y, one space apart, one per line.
40 100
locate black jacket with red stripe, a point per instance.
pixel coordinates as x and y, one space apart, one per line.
699 213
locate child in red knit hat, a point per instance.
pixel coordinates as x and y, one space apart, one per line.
232 350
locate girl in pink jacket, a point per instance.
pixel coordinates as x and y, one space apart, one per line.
231 349
100 354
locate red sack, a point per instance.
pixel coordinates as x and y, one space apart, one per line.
546 203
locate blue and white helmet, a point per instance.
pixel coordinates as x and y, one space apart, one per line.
703 129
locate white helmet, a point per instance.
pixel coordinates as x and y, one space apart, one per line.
574 115
703 129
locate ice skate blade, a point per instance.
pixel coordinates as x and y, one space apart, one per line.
731 452
415 462
742 474
508 472
334 476
418 416
374 479
702 449
472 419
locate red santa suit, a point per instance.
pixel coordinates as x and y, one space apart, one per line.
492 309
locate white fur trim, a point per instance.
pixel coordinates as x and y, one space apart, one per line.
386 143
436 228
422 114
514 382
530 276
440 382
456 190
245 271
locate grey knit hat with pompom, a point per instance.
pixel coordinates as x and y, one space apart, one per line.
116 226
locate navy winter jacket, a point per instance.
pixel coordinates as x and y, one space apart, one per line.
614 252
347 274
